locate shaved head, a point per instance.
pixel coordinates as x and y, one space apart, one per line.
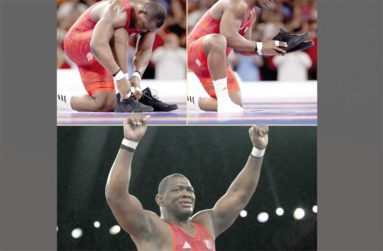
156 12
166 181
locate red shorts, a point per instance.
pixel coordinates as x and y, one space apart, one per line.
94 76
197 62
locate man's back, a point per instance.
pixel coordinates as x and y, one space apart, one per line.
210 22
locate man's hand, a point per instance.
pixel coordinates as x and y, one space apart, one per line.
136 82
123 87
259 136
274 47
135 127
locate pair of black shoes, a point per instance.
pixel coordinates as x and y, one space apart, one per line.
148 103
295 42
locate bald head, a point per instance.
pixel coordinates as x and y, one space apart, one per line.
156 12
165 182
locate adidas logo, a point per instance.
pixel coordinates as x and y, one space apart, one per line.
61 98
198 63
190 99
89 56
186 245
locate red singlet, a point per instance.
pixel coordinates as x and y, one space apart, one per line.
197 60
77 46
182 241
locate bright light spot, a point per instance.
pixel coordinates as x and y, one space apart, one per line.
279 211
243 213
263 217
315 209
77 233
299 213
115 229
96 224
57 228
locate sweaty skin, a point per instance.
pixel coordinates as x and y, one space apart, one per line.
110 16
150 231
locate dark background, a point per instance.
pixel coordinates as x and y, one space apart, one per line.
210 157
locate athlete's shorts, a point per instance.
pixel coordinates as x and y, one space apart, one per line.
197 62
94 76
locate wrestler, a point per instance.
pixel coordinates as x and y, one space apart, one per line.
226 26
177 229
98 43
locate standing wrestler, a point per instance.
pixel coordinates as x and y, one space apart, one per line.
98 43
224 27
176 229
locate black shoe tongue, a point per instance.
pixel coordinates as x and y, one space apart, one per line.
147 91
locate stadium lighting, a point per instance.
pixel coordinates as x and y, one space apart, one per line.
115 229
299 213
263 217
279 211
96 224
315 209
243 213
76 233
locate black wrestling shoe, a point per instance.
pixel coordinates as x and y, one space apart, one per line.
292 40
130 105
303 46
153 101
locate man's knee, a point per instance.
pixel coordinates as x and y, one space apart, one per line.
105 101
215 43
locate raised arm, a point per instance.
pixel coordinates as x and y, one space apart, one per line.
126 208
228 207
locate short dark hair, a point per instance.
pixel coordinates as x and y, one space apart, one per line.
156 12
165 181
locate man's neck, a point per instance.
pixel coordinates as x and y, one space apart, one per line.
175 221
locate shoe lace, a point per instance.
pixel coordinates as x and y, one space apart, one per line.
287 35
154 96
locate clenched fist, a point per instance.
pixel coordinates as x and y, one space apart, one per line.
135 127
259 135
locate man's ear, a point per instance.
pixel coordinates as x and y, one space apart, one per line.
159 200
142 11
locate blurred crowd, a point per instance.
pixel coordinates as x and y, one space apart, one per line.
169 53
295 16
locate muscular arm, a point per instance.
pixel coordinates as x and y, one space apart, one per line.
228 207
230 24
126 208
144 52
112 17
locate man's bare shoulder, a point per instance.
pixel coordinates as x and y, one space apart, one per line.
205 219
107 8
159 236
157 222
237 7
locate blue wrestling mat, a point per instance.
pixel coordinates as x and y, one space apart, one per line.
290 113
